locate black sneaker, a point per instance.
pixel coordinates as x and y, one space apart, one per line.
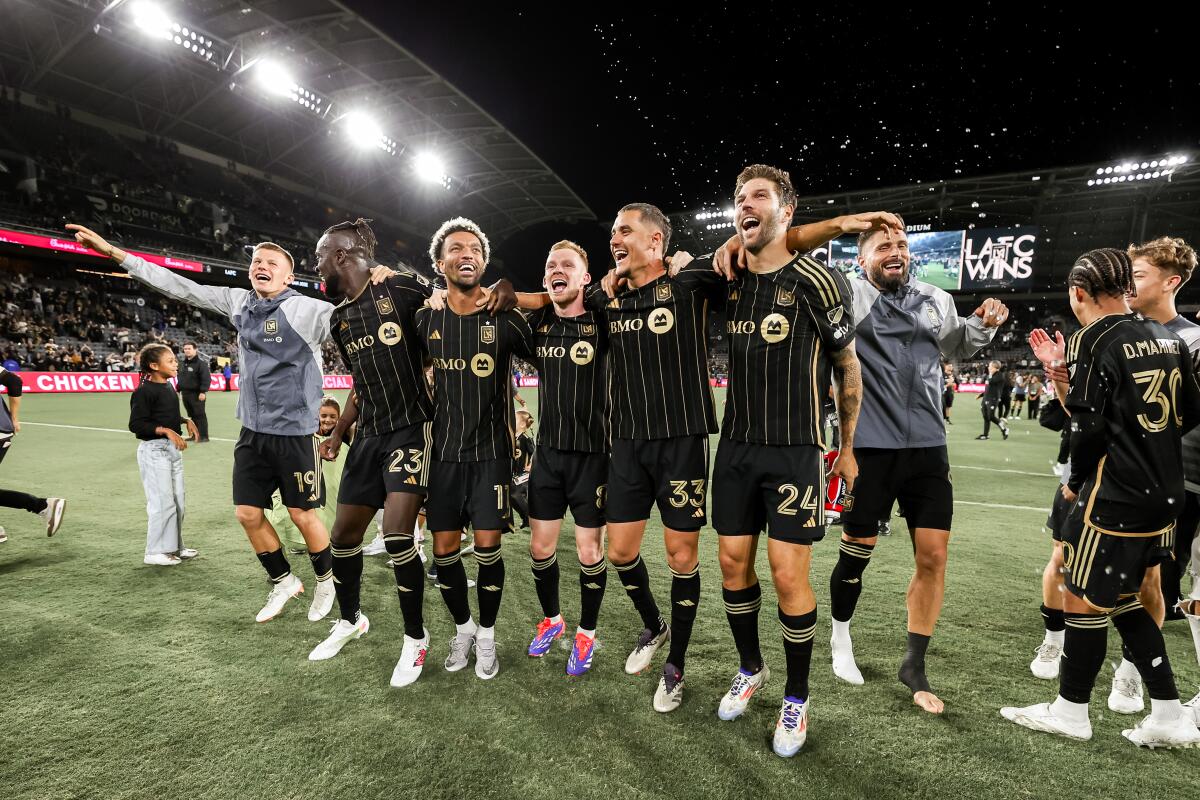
1004 430
983 437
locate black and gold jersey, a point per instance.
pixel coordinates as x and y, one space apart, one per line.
472 373
658 353
378 341
571 356
782 325
1138 376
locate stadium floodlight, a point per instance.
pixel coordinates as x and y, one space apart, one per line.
151 20
274 79
430 168
362 130
1133 171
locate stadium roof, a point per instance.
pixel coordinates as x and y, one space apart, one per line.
210 93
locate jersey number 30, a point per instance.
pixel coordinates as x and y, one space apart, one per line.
1152 379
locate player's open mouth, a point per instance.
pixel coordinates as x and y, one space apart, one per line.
893 266
262 277
466 269
749 224
620 255
558 285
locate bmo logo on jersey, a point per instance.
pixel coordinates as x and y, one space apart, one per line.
998 257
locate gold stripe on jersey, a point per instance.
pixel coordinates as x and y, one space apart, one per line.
819 275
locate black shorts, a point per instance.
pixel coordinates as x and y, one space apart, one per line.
562 479
670 472
264 462
948 399
1101 568
781 489
474 493
1060 508
376 466
917 477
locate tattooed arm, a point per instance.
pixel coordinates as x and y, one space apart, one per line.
847 378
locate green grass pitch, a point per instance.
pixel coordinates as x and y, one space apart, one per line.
125 681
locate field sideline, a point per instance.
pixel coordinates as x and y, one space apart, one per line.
127 681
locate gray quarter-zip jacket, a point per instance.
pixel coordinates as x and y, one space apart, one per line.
899 338
279 347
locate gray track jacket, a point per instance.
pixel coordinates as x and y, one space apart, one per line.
279 347
899 338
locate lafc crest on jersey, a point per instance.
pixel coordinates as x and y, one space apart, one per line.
783 297
487 334
662 292
384 306
271 326
587 330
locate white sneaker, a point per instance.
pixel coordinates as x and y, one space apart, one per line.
161 560
1152 733
1045 665
1193 707
340 635
792 728
53 514
460 651
322 602
412 661
281 592
644 649
1126 695
3 535
487 664
1040 717
669 693
744 685
843 662
376 546
187 552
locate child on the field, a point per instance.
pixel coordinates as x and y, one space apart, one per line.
155 419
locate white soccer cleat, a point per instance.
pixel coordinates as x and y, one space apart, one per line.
791 730
843 662
281 592
186 552
1180 732
487 663
53 514
340 635
1126 695
1045 665
669 693
322 602
376 546
1193 707
161 560
460 651
1041 717
734 702
412 661
3 534
647 645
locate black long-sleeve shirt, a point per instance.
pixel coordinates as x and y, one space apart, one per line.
995 388
14 386
194 375
153 405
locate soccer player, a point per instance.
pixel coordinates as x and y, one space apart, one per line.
1132 395
904 328
194 381
788 321
990 400
280 332
570 470
473 447
49 509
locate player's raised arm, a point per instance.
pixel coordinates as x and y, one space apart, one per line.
803 238
218 299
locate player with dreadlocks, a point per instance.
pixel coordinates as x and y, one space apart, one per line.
1132 394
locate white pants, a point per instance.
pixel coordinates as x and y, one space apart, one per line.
161 466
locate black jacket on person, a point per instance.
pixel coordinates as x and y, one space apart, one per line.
994 392
194 375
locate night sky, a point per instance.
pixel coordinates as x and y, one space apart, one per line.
667 106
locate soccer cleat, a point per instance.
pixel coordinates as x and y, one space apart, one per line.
161 560
1004 430
1154 734
1041 717
582 649
669 693
53 514
460 651
340 635
3 535
1126 695
322 602
983 437
844 666
186 552
1045 665
743 687
487 663
647 645
547 633
281 592
412 661
375 547
1193 707
792 728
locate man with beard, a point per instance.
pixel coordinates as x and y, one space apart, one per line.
469 482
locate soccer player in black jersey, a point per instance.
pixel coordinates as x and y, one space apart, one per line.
388 464
570 469
473 446
789 324
1132 395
